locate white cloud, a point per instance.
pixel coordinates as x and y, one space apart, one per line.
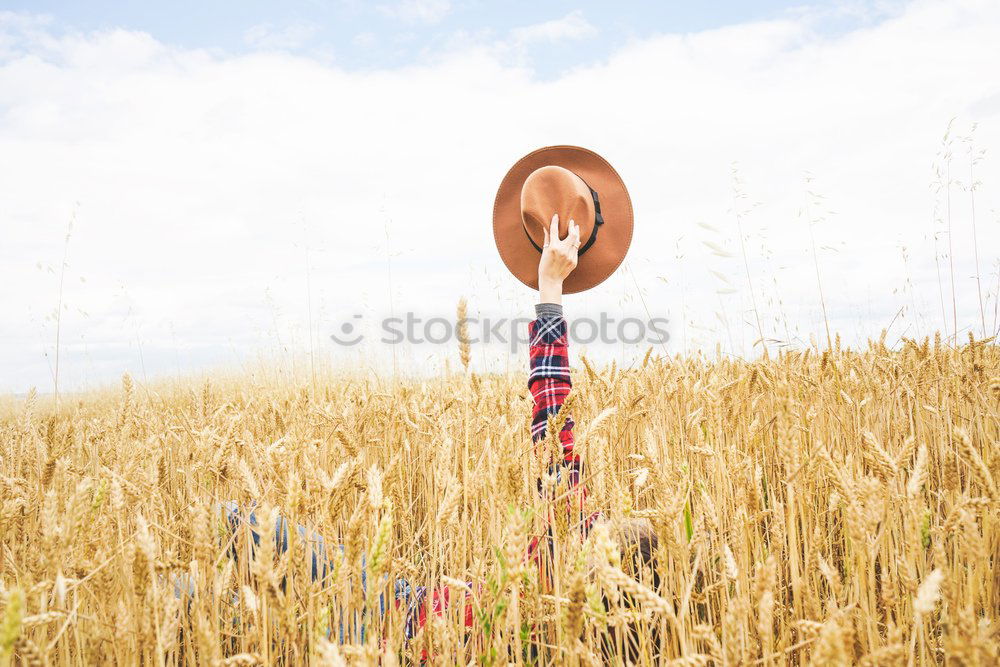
365 39
204 186
516 47
16 27
573 26
417 11
287 37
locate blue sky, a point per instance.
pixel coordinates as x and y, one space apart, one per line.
389 33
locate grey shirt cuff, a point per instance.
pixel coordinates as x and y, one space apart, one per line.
548 310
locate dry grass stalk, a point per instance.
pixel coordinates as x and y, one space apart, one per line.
847 476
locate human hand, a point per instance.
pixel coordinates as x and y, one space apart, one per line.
559 257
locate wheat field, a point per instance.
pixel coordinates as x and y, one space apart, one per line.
825 508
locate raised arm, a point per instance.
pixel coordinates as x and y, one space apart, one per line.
549 380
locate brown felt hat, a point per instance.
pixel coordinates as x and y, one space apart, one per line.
577 184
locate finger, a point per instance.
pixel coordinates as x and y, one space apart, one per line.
545 243
574 234
554 228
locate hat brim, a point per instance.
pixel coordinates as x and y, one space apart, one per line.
614 237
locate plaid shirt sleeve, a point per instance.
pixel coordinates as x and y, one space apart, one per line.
549 383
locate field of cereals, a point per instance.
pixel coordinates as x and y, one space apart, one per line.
832 508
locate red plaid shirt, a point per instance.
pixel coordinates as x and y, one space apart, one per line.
549 384
549 380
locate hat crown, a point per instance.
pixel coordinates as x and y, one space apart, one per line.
556 190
